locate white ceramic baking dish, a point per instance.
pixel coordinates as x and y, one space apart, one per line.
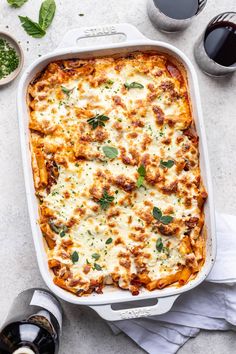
103 304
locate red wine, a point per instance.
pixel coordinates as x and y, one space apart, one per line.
220 43
178 9
33 324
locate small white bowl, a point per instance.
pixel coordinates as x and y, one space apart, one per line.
14 44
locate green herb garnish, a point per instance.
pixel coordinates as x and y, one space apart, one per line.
164 219
74 257
66 91
97 266
159 244
110 151
9 59
108 241
142 173
97 121
96 256
31 27
46 15
16 3
105 200
133 85
60 230
167 164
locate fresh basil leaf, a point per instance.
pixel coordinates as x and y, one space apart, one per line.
156 212
97 266
166 219
159 244
133 85
32 28
105 200
108 241
96 256
140 181
16 3
74 257
167 164
46 13
110 152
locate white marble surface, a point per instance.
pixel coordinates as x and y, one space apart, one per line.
84 332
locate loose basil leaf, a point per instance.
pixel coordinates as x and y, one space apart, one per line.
46 13
96 256
133 85
97 266
98 120
167 164
16 3
105 200
156 212
166 219
108 241
159 244
74 257
110 152
32 28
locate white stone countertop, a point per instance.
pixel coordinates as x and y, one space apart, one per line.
84 332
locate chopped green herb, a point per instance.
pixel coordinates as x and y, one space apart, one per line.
164 219
105 200
97 121
96 256
97 266
74 257
108 241
9 59
110 152
159 244
167 164
133 85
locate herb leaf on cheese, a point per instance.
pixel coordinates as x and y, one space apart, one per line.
133 85
97 121
142 173
74 257
164 219
106 200
166 164
110 152
159 244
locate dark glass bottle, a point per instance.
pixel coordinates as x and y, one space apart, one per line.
33 325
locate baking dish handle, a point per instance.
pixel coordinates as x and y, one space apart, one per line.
72 37
162 306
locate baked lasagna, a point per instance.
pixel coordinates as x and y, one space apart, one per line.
115 162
